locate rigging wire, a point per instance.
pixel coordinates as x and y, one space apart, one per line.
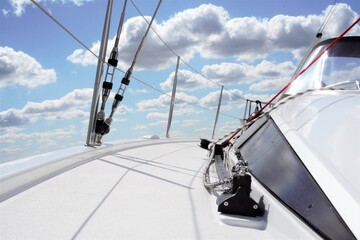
107 85
104 126
327 18
317 38
161 39
65 29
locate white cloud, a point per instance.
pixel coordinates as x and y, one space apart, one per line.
72 105
85 58
157 115
190 122
138 91
184 33
342 17
245 73
140 127
231 99
185 110
226 128
202 130
163 101
158 123
33 143
231 73
5 12
209 31
14 135
19 6
350 74
187 81
270 84
18 68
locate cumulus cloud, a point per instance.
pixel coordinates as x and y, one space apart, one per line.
183 33
13 117
5 12
163 101
18 68
233 73
19 6
140 127
187 81
270 84
138 91
190 122
342 17
250 38
157 115
13 135
85 58
352 73
187 105
232 98
34 142
210 32
72 105
245 73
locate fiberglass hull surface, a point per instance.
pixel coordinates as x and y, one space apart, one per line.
141 192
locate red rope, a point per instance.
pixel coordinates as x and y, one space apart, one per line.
300 73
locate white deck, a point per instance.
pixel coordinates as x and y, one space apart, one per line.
148 192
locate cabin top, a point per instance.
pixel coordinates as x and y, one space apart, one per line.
337 68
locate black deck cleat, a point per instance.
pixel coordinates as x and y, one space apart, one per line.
204 143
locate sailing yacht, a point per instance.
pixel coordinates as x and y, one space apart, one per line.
303 152
289 172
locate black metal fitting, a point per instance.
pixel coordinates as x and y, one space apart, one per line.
219 150
107 85
204 143
113 62
125 81
113 59
106 128
241 181
119 97
126 78
99 127
240 202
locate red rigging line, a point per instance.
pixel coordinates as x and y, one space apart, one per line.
294 78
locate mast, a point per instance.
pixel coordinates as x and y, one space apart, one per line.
96 93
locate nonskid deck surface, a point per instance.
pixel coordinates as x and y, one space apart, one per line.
149 192
142 192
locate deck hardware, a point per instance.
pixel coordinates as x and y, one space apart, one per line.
240 202
204 143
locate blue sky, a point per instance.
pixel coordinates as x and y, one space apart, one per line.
46 77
